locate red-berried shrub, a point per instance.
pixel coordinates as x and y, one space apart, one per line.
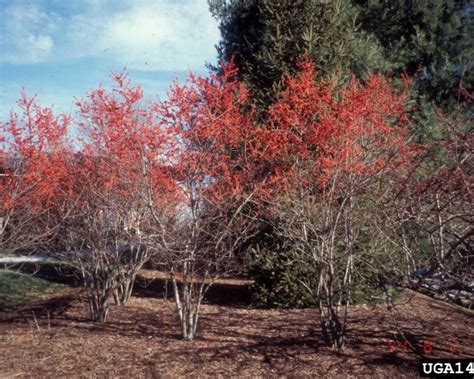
33 153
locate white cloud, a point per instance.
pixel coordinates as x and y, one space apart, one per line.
140 34
27 33
150 35
79 42
32 48
40 43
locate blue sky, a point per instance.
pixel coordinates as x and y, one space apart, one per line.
60 49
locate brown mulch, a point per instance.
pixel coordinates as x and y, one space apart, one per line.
140 340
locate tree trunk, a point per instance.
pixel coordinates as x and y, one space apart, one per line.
100 290
188 302
99 305
124 291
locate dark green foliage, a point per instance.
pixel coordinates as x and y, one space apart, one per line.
279 277
429 39
266 38
376 276
278 274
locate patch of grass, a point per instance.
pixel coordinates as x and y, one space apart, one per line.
49 270
18 289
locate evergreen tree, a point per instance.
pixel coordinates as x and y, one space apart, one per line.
267 37
431 40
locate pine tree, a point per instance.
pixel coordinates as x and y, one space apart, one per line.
266 38
428 39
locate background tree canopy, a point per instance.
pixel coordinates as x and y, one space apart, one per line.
430 40
267 37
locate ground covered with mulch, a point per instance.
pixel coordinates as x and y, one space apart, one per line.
53 338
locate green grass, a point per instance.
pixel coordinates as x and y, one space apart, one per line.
18 289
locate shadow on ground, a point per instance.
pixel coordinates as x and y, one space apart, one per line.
230 295
143 339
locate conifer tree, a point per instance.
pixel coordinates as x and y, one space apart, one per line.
429 39
266 38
